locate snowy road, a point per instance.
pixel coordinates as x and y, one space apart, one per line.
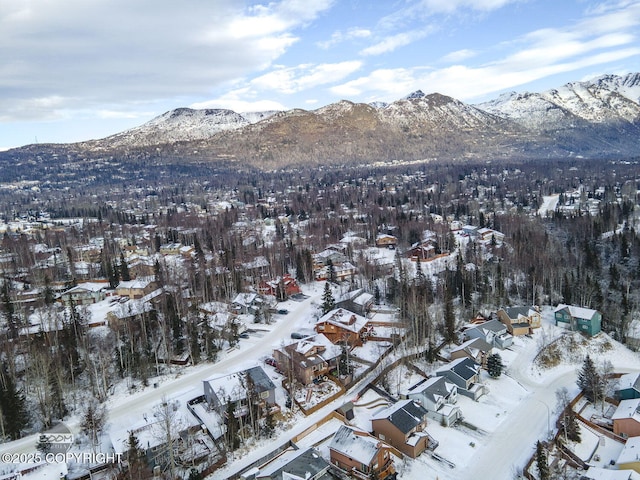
125 410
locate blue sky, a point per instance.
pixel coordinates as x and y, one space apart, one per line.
74 70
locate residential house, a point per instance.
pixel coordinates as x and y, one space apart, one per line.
247 303
488 235
361 455
629 458
492 331
135 289
438 397
281 287
189 443
403 426
465 374
170 248
422 251
470 230
626 418
327 257
384 240
476 349
628 386
579 319
84 294
341 326
520 320
292 464
341 272
235 388
308 359
357 301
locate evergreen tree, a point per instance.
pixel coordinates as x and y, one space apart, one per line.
541 462
138 468
328 302
449 317
344 364
124 269
13 406
194 474
9 310
494 365
590 381
572 427
331 271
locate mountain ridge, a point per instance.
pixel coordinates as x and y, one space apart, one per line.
590 118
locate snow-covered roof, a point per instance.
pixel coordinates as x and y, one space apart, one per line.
473 346
344 319
463 367
631 451
355 444
129 284
629 380
303 463
232 387
89 287
627 409
404 415
595 473
577 312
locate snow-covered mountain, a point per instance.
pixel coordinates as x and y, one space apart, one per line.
591 119
608 100
181 125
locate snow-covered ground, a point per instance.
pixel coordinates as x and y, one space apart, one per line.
518 410
549 204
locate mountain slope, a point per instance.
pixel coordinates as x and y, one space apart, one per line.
179 125
596 118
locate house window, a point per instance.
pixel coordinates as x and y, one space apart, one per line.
381 436
264 395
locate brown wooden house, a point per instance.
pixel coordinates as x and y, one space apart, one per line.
361 455
403 426
343 326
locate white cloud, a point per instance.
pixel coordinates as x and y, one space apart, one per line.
339 37
295 79
540 54
241 100
393 42
450 6
105 52
459 55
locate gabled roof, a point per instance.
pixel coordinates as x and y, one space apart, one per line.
577 312
355 444
627 409
304 464
345 319
432 388
492 325
629 380
233 387
473 345
463 367
405 415
515 312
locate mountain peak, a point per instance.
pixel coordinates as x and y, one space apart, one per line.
416 94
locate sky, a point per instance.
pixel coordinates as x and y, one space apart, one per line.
73 70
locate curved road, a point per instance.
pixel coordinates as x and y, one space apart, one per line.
128 409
